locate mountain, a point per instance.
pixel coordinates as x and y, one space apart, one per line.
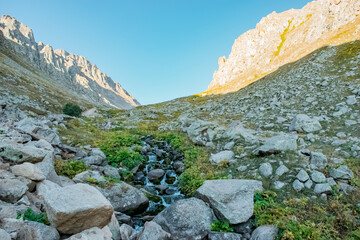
42 74
281 38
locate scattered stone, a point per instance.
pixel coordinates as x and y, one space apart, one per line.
351 100
265 169
112 172
77 207
41 231
342 172
186 219
279 184
232 200
222 156
11 189
318 177
152 231
318 160
297 185
94 233
304 124
277 144
19 153
85 176
281 170
302 175
265 232
322 188
308 184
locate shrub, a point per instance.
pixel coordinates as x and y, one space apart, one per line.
125 157
69 168
72 110
30 215
220 226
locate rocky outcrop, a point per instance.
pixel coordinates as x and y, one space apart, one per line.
73 73
284 37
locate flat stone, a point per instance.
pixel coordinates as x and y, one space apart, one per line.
318 177
28 170
342 172
304 124
281 170
222 156
302 175
265 169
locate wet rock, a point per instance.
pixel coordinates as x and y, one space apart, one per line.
266 232
186 219
77 207
304 124
277 144
29 171
155 174
232 200
152 231
125 198
222 156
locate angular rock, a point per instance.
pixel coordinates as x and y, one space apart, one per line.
318 177
29 171
224 236
42 231
114 228
156 174
186 219
45 187
11 188
127 232
83 177
342 172
75 208
322 188
18 153
308 184
279 184
236 130
232 200
265 169
304 124
297 185
152 231
219 157
125 198
318 160
4 235
265 232
302 175
277 144
94 233
281 170
110 171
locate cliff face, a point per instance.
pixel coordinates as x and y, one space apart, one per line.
281 38
74 73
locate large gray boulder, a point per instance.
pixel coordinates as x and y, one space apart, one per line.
232 200
38 130
125 198
277 144
153 231
19 153
219 157
11 188
77 207
28 170
186 219
266 232
318 160
304 124
342 172
156 174
236 130
38 231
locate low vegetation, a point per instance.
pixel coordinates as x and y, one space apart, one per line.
69 168
30 215
220 226
72 110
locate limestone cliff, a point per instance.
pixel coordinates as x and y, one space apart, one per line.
281 38
70 72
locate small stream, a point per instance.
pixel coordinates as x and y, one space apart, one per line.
158 178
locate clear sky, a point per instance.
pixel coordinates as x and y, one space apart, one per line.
157 50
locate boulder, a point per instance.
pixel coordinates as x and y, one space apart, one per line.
114 228
304 124
152 231
77 207
318 177
38 231
125 198
127 232
302 175
224 236
47 167
342 172
266 232
7 210
38 130
112 172
277 144
19 153
186 219
45 187
232 200
297 185
29 171
155 174
281 170
4 235
94 233
318 160
236 130
219 157
265 169
83 177
11 188
322 188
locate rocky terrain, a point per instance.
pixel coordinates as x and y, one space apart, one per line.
49 77
281 38
279 159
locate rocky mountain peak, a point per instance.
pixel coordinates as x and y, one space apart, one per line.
280 38
70 72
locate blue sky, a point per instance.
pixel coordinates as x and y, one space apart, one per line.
158 50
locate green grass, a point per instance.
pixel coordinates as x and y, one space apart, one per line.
220 226
30 215
69 168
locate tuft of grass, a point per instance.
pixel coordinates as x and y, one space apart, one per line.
69 168
220 226
30 215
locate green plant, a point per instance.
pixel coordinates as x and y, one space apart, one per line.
72 110
124 157
220 226
30 215
69 168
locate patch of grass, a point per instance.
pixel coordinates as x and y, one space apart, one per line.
69 168
30 215
220 226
